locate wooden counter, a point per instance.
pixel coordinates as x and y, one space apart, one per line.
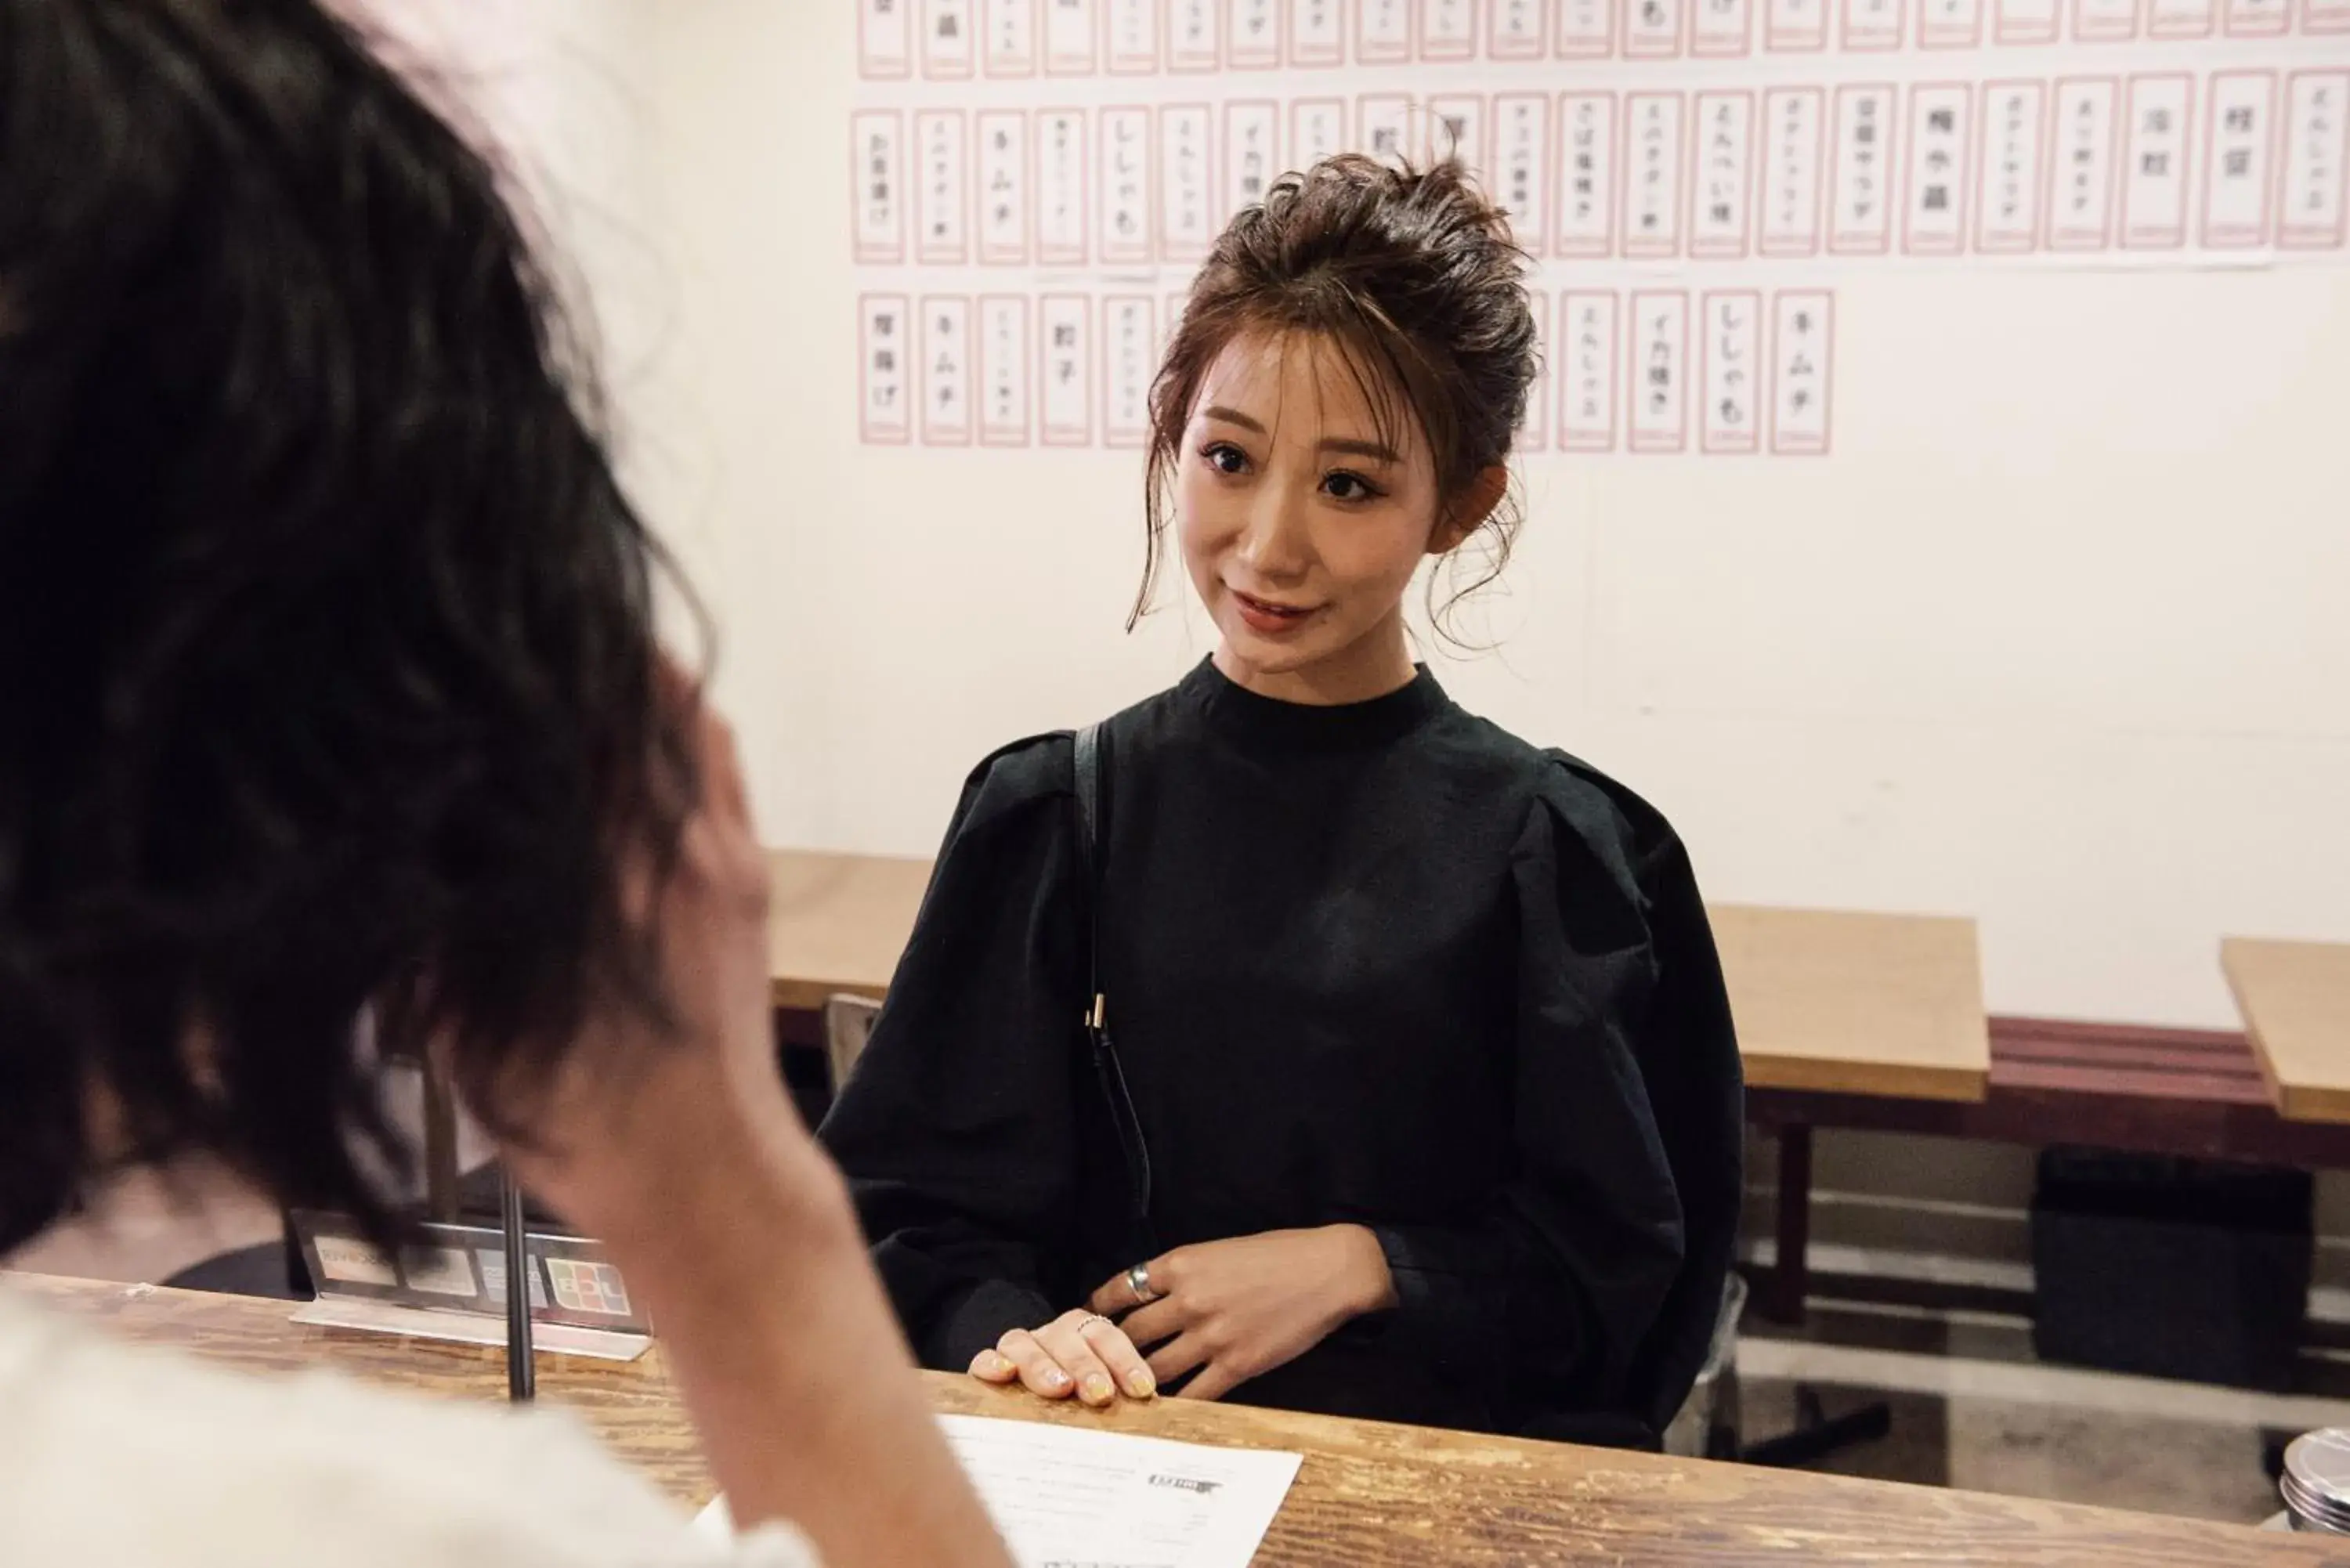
1381 1496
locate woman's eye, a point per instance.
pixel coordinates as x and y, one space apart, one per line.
1226 457
1344 486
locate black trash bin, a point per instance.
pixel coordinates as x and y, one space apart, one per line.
2171 1268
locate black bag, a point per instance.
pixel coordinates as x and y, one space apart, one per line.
1092 744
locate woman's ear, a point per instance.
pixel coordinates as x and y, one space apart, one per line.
1466 516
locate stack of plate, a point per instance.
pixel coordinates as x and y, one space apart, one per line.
2316 1481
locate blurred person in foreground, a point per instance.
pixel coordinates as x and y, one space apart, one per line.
332 695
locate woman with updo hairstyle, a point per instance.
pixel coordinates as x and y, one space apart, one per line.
1297 1036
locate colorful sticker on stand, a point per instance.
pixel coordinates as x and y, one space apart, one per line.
584 1286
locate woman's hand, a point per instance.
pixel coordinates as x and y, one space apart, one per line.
1231 1311
1079 1353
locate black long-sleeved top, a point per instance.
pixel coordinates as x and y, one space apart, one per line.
1381 963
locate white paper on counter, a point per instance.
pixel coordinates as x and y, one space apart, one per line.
1070 1494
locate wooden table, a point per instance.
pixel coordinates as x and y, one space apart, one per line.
1832 1002
1856 1004
1368 1493
837 923
2296 998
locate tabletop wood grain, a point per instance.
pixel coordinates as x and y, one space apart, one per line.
1383 1496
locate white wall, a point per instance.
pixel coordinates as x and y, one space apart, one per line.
561 93
2056 637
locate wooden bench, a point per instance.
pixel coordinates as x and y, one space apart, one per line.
2196 1092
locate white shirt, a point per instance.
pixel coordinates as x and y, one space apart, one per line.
112 1453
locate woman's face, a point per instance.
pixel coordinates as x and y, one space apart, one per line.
1302 522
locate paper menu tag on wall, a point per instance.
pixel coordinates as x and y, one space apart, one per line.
1071 1494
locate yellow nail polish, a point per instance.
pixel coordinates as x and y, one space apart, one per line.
1098 1389
1140 1383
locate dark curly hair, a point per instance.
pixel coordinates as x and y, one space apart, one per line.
331 680
1413 274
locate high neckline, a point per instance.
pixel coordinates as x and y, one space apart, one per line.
1233 710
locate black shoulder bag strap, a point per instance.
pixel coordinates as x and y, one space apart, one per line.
1093 791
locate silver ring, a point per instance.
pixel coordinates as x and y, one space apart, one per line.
1090 1319
1137 1279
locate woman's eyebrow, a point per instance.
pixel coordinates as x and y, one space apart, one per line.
1377 452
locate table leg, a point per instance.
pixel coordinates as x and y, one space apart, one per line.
1790 1279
